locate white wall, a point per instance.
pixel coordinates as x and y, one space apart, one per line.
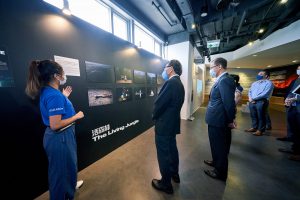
184 53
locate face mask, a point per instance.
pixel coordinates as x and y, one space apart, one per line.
212 73
259 77
62 82
298 72
165 75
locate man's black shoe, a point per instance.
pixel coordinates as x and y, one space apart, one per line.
176 178
159 186
285 139
209 162
214 175
285 150
269 128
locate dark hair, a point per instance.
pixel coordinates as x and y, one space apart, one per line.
236 79
176 66
267 73
221 61
40 74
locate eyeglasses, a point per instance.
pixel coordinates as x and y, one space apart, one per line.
168 66
213 66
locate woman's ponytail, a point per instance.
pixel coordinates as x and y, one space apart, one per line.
34 84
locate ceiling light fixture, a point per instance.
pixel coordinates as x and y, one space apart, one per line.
294 61
193 26
66 10
283 1
261 30
269 66
204 10
250 43
254 55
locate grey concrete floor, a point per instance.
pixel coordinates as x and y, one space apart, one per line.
256 169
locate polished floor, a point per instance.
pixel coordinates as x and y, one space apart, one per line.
256 169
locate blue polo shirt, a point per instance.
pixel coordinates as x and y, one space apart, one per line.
53 102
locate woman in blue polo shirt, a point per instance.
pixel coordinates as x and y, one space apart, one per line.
58 115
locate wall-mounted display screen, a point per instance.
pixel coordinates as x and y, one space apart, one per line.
6 79
151 78
123 75
100 73
140 92
139 76
99 97
124 94
151 91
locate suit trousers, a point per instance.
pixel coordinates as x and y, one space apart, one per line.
294 122
258 114
220 141
167 155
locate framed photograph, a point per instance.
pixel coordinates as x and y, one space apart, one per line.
139 76
124 94
100 97
151 78
100 73
140 92
123 75
151 92
160 79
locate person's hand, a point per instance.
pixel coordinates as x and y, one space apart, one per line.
67 91
79 115
232 125
250 100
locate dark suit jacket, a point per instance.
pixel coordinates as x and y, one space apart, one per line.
167 107
221 106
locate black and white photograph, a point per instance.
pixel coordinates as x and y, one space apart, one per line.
140 92
6 78
123 75
151 91
100 73
139 76
124 94
151 78
100 97
160 79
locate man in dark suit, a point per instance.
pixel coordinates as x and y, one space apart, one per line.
166 115
220 115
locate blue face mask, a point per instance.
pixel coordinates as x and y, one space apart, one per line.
165 75
259 77
212 73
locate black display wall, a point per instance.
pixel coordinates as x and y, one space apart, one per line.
35 30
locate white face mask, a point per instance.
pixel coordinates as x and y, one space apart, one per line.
298 72
212 73
62 82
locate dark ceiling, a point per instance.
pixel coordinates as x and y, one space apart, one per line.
233 22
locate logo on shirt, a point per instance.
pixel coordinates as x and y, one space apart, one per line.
55 109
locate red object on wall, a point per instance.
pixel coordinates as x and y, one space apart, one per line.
282 84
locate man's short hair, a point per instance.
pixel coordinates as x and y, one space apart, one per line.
267 73
176 66
221 61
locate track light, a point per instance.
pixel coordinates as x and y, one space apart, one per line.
261 30
204 11
283 1
66 10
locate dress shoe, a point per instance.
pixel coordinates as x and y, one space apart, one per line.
176 178
285 139
285 150
250 130
79 184
269 128
295 157
159 186
213 174
258 133
209 162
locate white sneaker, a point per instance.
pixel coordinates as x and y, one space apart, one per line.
79 184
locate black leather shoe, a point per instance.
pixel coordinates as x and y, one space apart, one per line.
209 162
159 186
284 139
285 150
269 128
176 178
214 175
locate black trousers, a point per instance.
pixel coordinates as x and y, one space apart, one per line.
167 155
294 122
220 141
258 114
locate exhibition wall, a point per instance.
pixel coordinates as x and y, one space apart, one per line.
113 82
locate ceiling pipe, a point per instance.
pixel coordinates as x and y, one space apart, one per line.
158 7
241 22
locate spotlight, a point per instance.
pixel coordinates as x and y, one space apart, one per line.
204 11
66 10
261 30
283 1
